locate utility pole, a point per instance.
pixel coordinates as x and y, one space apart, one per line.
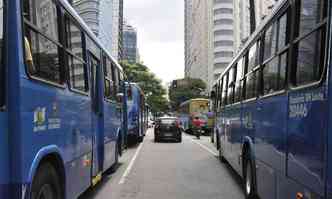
252 16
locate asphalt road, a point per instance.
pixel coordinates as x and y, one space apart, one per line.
167 170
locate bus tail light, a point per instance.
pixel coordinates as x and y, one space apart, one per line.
299 195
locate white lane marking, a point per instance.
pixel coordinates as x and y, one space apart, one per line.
205 147
130 166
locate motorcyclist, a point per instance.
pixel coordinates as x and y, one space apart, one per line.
197 123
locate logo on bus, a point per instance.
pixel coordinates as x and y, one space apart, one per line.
39 119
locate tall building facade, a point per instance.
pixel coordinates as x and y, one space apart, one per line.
130 50
231 29
224 31
197 39
105 18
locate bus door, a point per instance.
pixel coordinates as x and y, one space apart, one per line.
97 117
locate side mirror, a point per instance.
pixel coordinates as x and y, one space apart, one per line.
213 94
119 97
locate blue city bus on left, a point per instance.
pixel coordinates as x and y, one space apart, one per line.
61 102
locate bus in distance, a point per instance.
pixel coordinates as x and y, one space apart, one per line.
136 112
192 108
273 107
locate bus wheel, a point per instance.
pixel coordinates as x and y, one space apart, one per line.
221 155
46 183
249 185
119 146
116 156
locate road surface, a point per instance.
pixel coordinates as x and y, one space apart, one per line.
167 170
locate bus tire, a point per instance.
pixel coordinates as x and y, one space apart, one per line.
46 183
119 146
221 155
249 180
116 157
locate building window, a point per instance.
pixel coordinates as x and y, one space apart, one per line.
221 65
224 43
223 11
223 22
223 54
223 32
223 1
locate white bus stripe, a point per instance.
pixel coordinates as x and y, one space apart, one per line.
131 164
204 147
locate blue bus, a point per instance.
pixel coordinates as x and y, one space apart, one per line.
272 105
61 102
136 112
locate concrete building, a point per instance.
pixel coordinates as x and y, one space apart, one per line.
105 18
130 50
197 39
231 29
224 31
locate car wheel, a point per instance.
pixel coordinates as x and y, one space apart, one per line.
180 139
46 183
140 139
249 185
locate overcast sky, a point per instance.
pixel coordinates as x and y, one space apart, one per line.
160 26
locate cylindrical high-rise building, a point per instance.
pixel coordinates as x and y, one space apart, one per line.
223 35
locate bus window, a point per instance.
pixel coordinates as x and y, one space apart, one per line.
115 77
310 47
282 32
238 82
275 69
224 91
270 42
253 56
44 39
251 85
270 76
74 55
219 95
231 84
109 87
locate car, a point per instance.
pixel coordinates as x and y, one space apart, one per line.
167 128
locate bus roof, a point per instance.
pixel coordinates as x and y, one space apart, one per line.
193 100
279 5
66 5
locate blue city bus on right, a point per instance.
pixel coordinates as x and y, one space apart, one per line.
272 105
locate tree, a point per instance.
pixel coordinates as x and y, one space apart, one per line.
152 86
189 89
